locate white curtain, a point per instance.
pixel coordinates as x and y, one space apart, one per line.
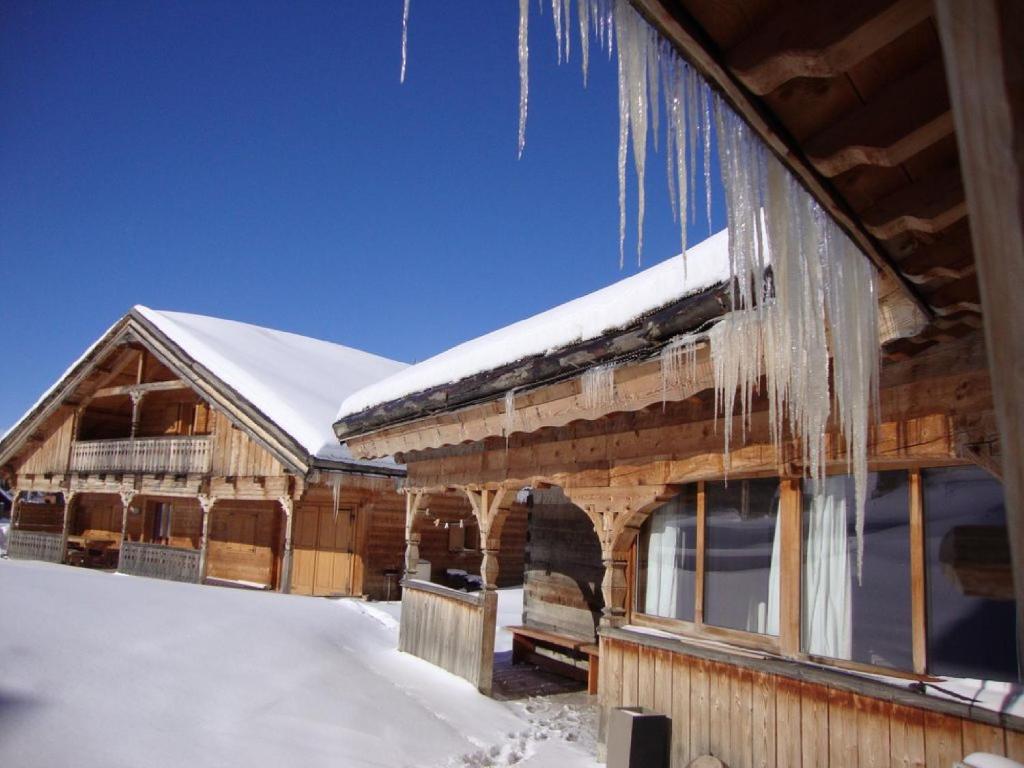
828 605
769 624
665 543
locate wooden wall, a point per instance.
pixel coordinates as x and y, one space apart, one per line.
746 717
40 517
174 412
562 586
50 455
235 454
245 539
450 629
97 516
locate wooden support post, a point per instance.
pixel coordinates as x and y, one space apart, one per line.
15 493
288 505
983 50
613 590
490 515
412 540
126 502
136 395
69 498
206 503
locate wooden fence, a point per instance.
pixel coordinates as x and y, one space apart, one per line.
159 562
451 629
35 545
745 714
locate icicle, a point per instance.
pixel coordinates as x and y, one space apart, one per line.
556 12
597 386
510 415
334 479
706 133
678 364
583 9
405 38
524 73
567 16
623 140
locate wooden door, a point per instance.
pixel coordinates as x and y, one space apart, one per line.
323 551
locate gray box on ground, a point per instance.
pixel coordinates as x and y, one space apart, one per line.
638 738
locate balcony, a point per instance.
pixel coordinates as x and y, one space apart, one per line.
177 455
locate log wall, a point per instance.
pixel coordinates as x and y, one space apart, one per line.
48 518
562 586
97 516
453 630
747 717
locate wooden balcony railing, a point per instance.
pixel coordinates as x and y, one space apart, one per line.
159 562
181 455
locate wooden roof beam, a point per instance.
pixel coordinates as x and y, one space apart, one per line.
903 119
820 39
928 205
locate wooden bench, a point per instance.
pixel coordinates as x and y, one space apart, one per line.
526 640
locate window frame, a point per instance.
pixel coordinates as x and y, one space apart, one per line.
788 643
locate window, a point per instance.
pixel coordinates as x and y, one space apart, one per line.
932 594
863 617
667 559
741 561
971 621
161 531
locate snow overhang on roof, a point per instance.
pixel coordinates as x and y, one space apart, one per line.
632 315
295 381
290 382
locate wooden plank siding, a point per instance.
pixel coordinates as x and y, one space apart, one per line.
52 452
245 541
235 454
749 718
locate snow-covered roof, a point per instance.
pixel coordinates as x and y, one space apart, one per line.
295 381
589 317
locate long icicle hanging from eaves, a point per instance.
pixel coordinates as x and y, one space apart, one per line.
804 298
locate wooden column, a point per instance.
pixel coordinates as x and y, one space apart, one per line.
288 506
126 502
206 503
15 493
412 540
490 514
69 499
614 590
983 50
136 396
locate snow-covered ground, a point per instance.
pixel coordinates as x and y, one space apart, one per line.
105 670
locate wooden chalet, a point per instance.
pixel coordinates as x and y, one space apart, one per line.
200 450
729 596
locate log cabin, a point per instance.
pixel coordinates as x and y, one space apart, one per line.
199 449
776 617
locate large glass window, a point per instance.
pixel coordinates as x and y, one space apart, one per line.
971 621
866 616
741 565
667 559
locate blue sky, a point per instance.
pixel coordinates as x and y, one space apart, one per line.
261 161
